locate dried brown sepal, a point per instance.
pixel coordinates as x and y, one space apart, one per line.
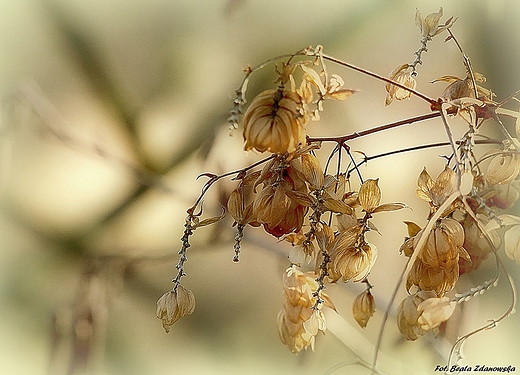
387 207
337 206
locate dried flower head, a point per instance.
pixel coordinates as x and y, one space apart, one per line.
512 243
363 307
403 75
437 264
429 26
278 205
438 279
503 168
174 305
275 122
408 315
463 87
434 311
443 245
298 321
352 262
436 191
477 246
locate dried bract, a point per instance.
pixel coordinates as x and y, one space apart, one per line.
463 87
174 305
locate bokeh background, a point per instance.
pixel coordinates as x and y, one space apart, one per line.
112 108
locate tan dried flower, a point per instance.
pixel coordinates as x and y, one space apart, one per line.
438 279
434 311
363 307
512 243
352 263
503 196
503 168
476 245
278 206
436 191
174 305
403 75
437 264
443 245
298 322
275 122
408 315
463 87
429 26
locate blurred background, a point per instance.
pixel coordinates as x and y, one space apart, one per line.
110 111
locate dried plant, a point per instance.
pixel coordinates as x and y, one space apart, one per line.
327 216
323 213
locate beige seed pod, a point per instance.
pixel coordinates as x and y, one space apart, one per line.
274 122
503 168
408 315
174 305
363 307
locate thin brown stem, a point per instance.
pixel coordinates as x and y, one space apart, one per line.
379 77
377 129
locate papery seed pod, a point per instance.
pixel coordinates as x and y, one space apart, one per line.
476 245
174 305
408 315
503 168
363 307
403 75
353 263
274 122
298 322
443 245
438 279
434 311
